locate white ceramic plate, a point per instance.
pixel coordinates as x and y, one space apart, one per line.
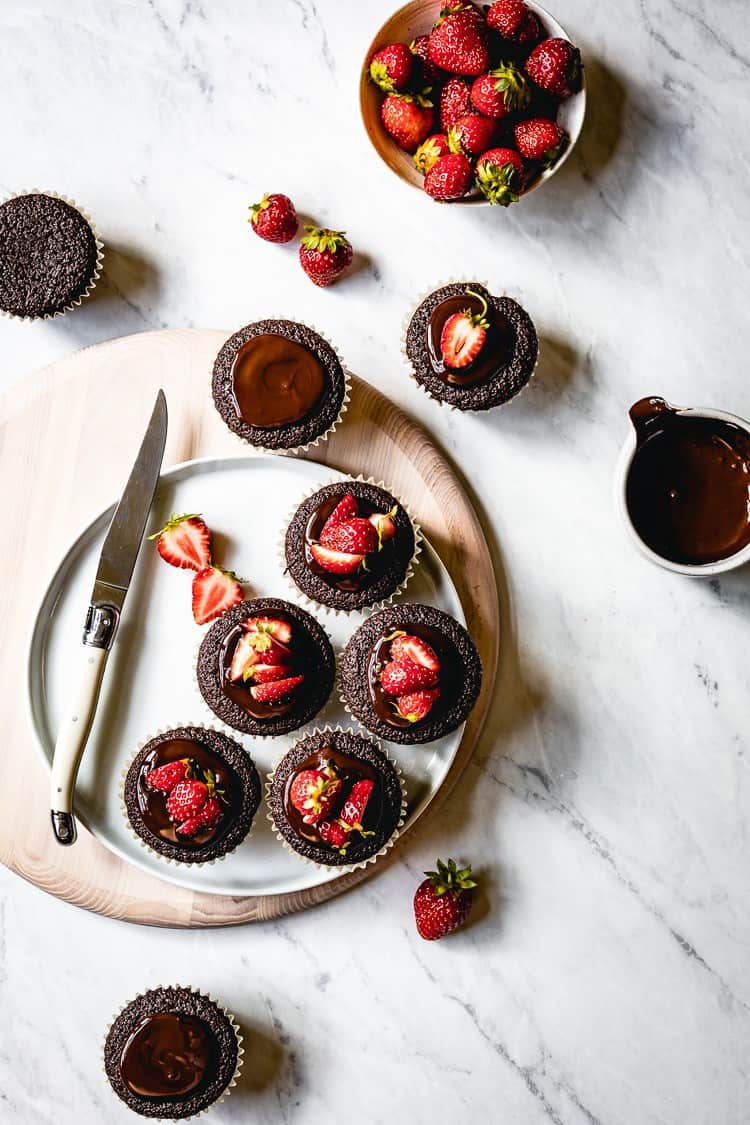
150 682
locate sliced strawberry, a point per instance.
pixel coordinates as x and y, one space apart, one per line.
184 542
400 677
214 592
354 537
166 777
417 705
384 525
464 334
335 562
404 646
276 691
346 509
336 834
268 673
313 793
207 817
272 626
186 799
244 657
355 804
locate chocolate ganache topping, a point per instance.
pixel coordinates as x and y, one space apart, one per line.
275 381
494 352
168 1055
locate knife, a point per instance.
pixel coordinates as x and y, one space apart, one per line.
116 562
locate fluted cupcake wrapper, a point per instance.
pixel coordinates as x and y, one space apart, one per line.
409 366
97 266
225 1012
124 809
340 869
309 603
337 420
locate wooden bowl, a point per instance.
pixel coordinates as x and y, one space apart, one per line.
417 18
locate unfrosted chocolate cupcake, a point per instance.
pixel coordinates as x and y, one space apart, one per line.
350 545
336 799
410 674
266 667
49 255
215 817
279 385
470 349
171 1053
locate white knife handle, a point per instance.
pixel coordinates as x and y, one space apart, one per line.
71 740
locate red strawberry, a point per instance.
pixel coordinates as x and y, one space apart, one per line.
405 646
449 178
313 793
206 817
458 41
335 562
245 655
333 832
276 691
428 73
324 255
408 119
500 175
355 537
464 334
391 67
346 509
167 776
472 134
540 139
501 91
455 101
555 66
401 677
443 900
355 804
268 673
429 151
214 591
274 218
417 705
514 21
184 542
273 627
384 525
187 798
254 651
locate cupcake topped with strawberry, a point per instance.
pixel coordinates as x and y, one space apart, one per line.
410 674
350 545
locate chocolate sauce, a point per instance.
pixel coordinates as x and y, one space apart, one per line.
239 692
494 354
688 488
349 769
169 1055
153 802
449 681
275 381
378 562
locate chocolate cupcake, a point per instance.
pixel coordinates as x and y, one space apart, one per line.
50 256
336 799
266 667
172 1053
470 349
349 545
190 794
279 385
410 674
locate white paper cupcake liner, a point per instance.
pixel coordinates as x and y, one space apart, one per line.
223 730
225 1011
341 869
337 420
97 266
309 603
410 368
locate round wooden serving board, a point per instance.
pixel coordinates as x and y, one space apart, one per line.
68 438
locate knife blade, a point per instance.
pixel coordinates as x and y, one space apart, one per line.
114 572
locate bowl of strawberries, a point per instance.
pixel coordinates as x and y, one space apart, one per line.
473 104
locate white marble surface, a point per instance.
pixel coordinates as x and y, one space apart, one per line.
605 978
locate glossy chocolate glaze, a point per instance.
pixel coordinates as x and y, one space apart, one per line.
688 488
275 381
349 769
153 803
497 345
168 1055
378 562
239 692
449 679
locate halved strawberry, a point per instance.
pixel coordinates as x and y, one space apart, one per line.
336 834
417 705
247 659
268 673
313 793
401 677
346 509
166 777
355 804
335 562
356 536
276 691
464 334
214 591
405 646
184 542
273 626
244 657
384 525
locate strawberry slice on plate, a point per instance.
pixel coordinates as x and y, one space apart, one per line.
464 334
214 592
276 691
184 542
335 562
